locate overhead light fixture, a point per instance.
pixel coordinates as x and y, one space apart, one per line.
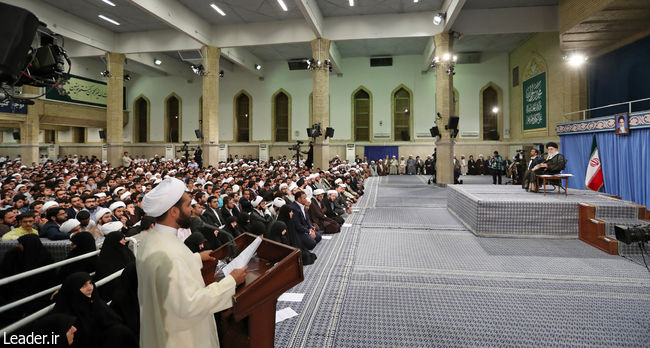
109 20
216 8
495 110
576 59
127 77
448 61
221 73
157 61
258 67
108 2
198 69
105 73
283 5
416 1
438 18
351 2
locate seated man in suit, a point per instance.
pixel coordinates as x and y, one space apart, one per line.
553 164
301 222
211 213
535 159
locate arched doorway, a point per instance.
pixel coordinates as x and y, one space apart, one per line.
491 111
172 119
281 116
362 107
141 120
242 117
402 111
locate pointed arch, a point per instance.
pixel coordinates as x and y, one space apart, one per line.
491 123
141 119
173 118
401 102
281 116
361 117
242 116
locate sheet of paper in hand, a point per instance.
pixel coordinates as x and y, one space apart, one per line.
243 258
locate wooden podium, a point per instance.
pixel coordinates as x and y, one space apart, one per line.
275 269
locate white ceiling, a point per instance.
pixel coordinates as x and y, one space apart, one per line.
382 47
489 43
336 8
485 4
282 52
243 11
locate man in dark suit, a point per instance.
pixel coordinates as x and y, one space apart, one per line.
553 164
301 222
535 159
211 214
50 230
76 206
229 208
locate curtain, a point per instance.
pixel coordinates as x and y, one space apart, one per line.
625 161
375 153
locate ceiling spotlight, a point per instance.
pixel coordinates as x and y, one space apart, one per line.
108 2
157 61
216 8
105 73
495 110
351 2
283 5
109 20
416 1
438 18
258 67
198 69
576 59
221 73
446 57
127 77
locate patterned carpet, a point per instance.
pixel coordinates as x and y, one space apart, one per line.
407 273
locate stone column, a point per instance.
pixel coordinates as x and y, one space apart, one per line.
30 128
114 108
445 106
210 108
320 49
575 93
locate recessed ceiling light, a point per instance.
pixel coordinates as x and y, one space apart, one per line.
157 61
416 1
108 2
109 20
258 67
283 5
351 2
216 8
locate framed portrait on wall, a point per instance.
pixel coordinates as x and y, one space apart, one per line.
621 124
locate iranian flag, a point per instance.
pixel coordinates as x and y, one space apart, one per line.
594 178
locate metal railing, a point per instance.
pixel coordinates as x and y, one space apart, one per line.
584 112
31 272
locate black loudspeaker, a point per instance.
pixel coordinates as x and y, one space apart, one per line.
453 122
102 134
435 132
309 132
16 34
198 133
329 132
16 135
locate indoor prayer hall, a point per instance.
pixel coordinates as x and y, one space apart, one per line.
324 173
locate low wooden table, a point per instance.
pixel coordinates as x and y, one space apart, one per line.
545 177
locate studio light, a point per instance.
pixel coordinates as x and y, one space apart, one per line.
105 73
221 73
198 69
495 110
157 61
316 64
448 62
127 77
438 18
258 67
576 59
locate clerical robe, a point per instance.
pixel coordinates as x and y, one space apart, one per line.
176 308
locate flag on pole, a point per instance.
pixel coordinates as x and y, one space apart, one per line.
594 177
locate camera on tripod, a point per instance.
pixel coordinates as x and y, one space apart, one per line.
633 234
296 147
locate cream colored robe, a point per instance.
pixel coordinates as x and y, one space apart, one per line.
176 308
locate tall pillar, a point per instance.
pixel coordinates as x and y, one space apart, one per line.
575 91
320 49
30 128
445 106
210 108
114 110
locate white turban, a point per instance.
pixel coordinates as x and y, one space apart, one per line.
332 192
101 212
283 185
116 205
159 200
117 189
235 188
257 201
49 204
318 192
69 225
125 195
110 227
279 202
100 195
339 180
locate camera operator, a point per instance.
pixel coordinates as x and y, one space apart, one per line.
310 155
198 156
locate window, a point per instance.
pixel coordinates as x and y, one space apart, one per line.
172 119
402 115
491 112
242 117
362 116
281 116
140 120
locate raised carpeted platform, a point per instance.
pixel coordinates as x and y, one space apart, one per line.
509 211
410 275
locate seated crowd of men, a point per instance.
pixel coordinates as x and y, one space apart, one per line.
91 203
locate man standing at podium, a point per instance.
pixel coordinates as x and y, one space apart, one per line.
176 308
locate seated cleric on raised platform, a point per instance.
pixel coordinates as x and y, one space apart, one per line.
176 307
553 164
